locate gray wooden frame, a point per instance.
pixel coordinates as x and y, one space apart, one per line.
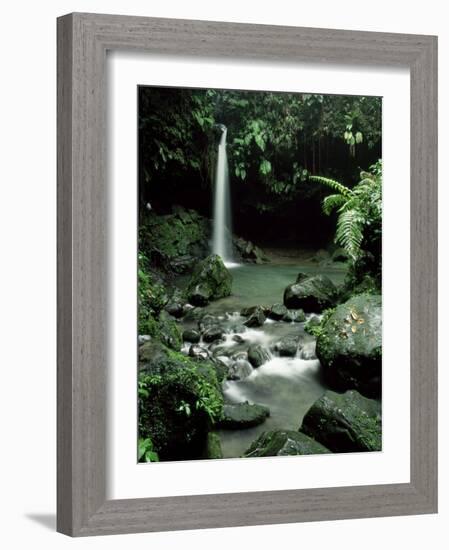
83 40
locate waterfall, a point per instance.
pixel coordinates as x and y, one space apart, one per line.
222 229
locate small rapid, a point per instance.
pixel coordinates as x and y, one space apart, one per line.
287 385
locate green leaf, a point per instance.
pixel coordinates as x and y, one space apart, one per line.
145 445
265 167
260 141
333 201
151 456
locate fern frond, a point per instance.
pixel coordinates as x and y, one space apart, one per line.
366 176
333 201
334 185
349 232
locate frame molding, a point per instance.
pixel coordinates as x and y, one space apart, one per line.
83 40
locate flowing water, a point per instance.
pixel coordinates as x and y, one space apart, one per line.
222 228
287 385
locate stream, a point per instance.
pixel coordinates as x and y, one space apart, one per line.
288 386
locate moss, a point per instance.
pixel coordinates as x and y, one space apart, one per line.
179 400
314 326
243 415
211 279
349 345
345 422
284 443
163 329
167 239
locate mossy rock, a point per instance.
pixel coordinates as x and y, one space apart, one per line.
210 280
175 241
243 415
256 318
310 293
169 331
349 345
250 310
179 401
345 423
163 328
284 443
258 355
287 346
151 353
191 335
152 297
277 312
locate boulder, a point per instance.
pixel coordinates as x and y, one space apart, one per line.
192 313
345 423
256 319
311 294
277 312
287 346
191 335
284 443
213 334
248 311
169 332
210 281
249 251
151 353
240 370
349 345
257 355
175 242
176 305
169 394
242 415
199 296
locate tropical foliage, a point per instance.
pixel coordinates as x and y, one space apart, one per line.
275 140
359 209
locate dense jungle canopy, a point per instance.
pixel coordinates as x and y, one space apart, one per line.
276 141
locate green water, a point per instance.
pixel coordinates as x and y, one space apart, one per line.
264 284
288 386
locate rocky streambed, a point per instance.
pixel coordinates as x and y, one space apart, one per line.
272 366
275 375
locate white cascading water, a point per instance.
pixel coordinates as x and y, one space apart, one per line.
222 229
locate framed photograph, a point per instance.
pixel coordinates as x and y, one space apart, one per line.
247 280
